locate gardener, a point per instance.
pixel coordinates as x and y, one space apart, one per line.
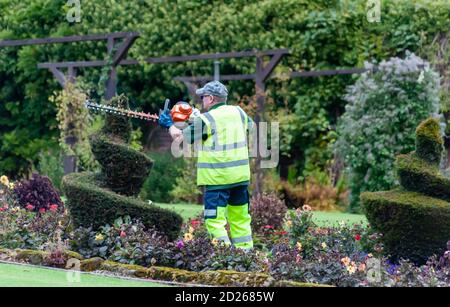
223 163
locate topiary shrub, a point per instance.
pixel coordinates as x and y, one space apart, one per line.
417 175
118 127
38 192
414 219
414 226
98 199
97 206
429 142
124 168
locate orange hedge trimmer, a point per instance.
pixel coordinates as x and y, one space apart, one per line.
180 112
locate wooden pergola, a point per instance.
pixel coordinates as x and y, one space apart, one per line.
118 45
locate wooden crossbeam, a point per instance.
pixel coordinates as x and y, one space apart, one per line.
168 59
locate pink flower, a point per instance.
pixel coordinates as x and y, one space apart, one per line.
358 237
2 209
268 227
123 234
29 207
180 244
42 210
53 208
195 223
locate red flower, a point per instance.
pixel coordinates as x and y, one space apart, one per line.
195 223
42 210
53 208
358 237
123 234
2 209
29 207
268 227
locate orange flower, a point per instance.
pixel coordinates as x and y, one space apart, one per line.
361 267
345 261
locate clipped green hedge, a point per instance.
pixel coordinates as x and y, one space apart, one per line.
429 142
418 175
125 169
414 226
118 126
90 204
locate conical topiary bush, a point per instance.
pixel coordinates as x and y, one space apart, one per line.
415 218
98 199
124 169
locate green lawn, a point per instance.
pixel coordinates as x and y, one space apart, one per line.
320 218
186 211
333 218
12 275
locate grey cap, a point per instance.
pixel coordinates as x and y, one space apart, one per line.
214 88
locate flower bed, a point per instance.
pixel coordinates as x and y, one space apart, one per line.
295 252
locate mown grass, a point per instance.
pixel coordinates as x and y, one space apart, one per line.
12 275
188 211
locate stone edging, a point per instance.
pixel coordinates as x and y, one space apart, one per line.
215 278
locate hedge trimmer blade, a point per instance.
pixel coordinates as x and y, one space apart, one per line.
121 112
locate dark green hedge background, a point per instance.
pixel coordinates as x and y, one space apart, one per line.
321 34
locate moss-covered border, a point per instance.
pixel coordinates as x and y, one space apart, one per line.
214 278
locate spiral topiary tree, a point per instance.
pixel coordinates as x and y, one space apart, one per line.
98 199
415 218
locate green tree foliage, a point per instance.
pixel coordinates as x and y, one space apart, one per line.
381 115
185 188
320 34
165 172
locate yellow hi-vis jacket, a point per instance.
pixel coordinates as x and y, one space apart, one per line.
223 156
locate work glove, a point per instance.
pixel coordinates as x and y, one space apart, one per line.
165 120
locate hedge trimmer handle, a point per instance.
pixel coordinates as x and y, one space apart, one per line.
166 104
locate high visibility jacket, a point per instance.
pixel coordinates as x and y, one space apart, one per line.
223 156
